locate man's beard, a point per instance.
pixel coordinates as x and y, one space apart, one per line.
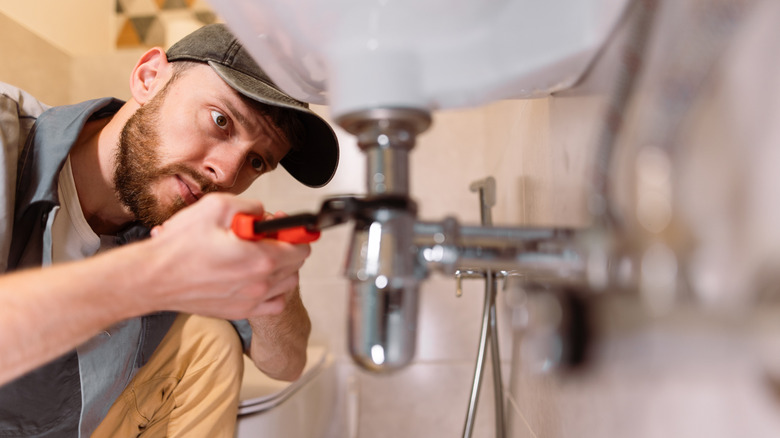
137 167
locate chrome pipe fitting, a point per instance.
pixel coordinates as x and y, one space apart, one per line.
386 135
384 283
382 267
539 253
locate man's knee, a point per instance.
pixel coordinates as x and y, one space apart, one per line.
191 382
215 343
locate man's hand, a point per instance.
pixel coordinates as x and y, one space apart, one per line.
218 274
202 267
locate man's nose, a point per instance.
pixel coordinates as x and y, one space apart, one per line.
224 165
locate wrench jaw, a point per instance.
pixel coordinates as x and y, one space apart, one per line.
341 209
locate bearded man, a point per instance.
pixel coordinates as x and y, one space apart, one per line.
105 332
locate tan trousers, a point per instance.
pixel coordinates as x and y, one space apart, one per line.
189 387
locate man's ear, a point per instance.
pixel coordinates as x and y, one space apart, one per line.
150 74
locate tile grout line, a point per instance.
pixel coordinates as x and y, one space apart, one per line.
520 413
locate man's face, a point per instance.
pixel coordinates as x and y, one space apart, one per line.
193 137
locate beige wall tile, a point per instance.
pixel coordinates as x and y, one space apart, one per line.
540 152
446 159
326 301
96 76
422 401
449 327
60 23
33 64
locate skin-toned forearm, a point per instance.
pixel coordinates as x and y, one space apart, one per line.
279 341
45 313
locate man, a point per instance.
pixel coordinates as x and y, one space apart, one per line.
102 338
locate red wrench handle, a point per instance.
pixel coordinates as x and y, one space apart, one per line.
245 226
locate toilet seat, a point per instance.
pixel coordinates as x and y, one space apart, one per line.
260 393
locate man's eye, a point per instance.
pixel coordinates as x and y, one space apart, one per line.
219 119
257 164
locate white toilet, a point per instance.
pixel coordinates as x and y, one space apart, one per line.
301 409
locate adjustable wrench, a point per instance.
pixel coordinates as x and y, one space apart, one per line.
306 227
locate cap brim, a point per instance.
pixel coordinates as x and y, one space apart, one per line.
315 160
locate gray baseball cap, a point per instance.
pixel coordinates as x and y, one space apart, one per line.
312 162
